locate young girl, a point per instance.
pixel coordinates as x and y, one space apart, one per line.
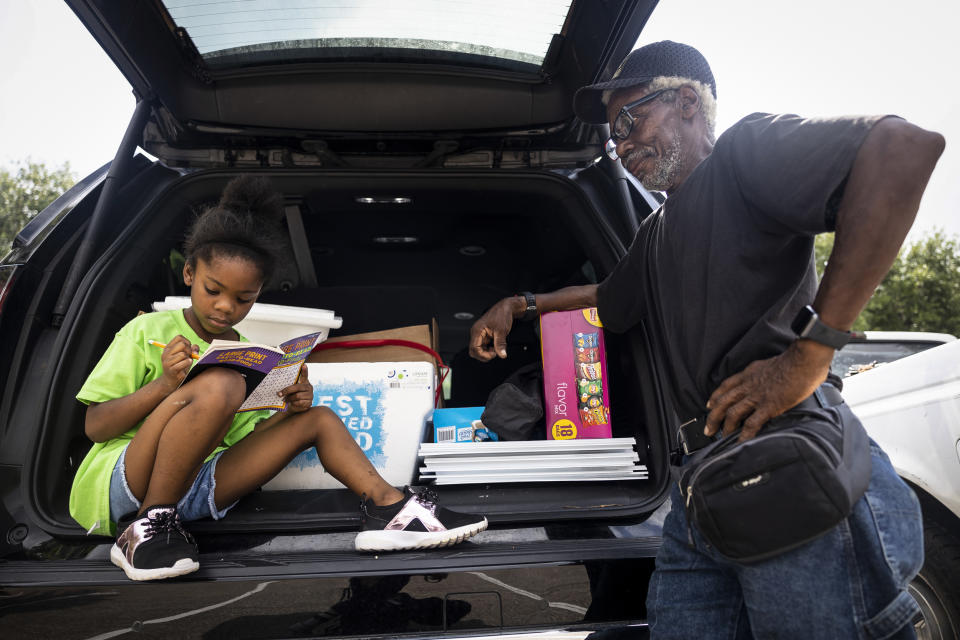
166 453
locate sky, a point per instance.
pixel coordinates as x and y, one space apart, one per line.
62 100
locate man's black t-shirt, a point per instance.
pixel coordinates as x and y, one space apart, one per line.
720 271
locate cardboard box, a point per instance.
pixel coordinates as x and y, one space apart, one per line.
575 389
422 334
384 405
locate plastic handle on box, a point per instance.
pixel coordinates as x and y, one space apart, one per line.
393 342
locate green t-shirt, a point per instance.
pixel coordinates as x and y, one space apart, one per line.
128 364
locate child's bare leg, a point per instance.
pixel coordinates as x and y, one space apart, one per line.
262 454
167 452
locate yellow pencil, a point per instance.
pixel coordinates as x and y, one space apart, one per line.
163 346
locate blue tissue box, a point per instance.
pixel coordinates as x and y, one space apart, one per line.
460 424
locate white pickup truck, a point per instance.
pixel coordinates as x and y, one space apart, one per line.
911 407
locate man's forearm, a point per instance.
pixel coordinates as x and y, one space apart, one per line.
879 204
578 297
488 335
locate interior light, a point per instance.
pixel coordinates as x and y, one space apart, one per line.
396 239
383 199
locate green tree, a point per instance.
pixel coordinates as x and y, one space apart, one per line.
921 292
822 246
25 191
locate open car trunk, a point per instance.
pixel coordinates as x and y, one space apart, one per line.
463 240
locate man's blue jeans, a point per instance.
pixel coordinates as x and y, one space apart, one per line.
848 584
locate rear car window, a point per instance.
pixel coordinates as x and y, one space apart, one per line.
500 33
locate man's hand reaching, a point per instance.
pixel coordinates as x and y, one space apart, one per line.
488 335
767 388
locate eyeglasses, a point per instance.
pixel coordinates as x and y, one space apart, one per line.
623 123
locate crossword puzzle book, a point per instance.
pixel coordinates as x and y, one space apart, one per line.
267 369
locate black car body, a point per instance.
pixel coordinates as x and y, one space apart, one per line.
430 180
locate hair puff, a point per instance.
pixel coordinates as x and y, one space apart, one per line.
245 224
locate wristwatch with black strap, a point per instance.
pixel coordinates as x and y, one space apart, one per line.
530 313
807 325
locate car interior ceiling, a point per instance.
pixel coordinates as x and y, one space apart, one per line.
469 240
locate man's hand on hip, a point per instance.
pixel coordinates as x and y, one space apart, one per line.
767 388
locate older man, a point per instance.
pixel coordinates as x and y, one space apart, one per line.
723 278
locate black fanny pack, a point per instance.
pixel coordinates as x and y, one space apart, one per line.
793 482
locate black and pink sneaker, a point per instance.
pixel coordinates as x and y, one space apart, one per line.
416 522
155 546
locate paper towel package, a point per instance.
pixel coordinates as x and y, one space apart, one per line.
385 407
575 376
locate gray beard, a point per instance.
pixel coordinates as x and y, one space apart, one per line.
666 168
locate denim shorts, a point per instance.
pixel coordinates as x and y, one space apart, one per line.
849 584
196 504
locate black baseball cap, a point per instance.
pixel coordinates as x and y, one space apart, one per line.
664 58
